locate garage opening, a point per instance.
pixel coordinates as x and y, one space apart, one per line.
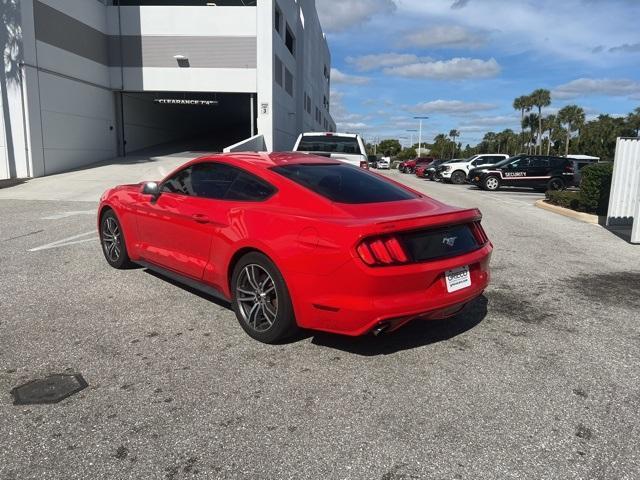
184 121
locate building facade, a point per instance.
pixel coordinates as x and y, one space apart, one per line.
89 80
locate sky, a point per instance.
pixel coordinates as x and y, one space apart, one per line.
462 62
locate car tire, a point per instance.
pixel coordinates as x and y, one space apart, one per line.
491 183
458 177
261 299
113 242
555 184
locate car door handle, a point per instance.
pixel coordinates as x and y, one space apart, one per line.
200 218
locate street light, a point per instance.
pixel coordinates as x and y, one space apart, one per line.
420 134
412 130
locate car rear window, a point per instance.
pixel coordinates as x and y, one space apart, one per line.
344 183
326 143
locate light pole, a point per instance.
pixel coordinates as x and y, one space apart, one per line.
412 130
420 134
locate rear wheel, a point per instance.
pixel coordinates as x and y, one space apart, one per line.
261 299
491 183
458 177
112 241
555 184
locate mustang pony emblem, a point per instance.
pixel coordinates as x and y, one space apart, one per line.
449 241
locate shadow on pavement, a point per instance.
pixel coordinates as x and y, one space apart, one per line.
187 288
416 334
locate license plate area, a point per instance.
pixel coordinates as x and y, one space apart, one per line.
457 279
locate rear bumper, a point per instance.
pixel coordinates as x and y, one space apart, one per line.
356 299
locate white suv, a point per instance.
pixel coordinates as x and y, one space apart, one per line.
346 147
456 172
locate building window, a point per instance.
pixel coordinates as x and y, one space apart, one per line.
307 103
290 41
288 81
278 70
278 20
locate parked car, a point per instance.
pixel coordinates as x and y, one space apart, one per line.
345 147
384 163
293 240
409 166
456 172
531 171
429 171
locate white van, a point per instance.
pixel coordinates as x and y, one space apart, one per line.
346 147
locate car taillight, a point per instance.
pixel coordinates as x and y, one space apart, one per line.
364 164
382 251
479 233
568 169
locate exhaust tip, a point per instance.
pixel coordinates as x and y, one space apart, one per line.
380 329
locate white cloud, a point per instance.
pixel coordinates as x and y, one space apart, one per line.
626 48
339 77
451 107
445 36
372 62
456 68
340 15
591 86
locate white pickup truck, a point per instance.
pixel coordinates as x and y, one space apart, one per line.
456 172
346 147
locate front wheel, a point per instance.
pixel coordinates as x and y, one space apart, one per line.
458 177
261 299
491 183
112 241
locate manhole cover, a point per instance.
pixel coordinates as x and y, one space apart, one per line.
51 389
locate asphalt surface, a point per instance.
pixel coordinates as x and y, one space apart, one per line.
537 379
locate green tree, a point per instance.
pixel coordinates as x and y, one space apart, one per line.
598 137
633 119
548 124
389 147
540 98
530 122
522 104
572 118
454 134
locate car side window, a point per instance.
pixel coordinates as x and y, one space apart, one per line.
520 163
180 183
540 162
248 188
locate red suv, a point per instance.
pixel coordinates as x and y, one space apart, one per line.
409 166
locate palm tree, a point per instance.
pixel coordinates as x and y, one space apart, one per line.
548 124
572 117
531 122
523 104
10 43
454 134
540 98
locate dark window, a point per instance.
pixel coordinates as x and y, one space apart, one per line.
288 81
539 162
278 70
520 163
344 183
439 243
278 20
290 41
218 181
329 143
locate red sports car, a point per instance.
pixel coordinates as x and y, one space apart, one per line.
294 240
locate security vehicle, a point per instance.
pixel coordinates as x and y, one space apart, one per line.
456 172
345 147
293 240
409 166
430 170
531 171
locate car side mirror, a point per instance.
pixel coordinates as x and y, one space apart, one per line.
151 188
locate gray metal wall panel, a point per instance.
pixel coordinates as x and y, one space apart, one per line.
202 52
65 32
625 185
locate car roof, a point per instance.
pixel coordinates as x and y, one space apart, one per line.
329 134
267 160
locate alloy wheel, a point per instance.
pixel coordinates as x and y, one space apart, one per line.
111 239
492 183
257 298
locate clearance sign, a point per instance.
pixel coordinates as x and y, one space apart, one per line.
185 101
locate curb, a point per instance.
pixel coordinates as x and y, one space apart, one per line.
566 212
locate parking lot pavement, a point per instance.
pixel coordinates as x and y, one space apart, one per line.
539 378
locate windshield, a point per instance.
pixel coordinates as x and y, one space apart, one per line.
506 161
330 144
344 183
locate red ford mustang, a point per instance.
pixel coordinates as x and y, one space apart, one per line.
294 240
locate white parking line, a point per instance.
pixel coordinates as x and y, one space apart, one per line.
67 241
61 215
